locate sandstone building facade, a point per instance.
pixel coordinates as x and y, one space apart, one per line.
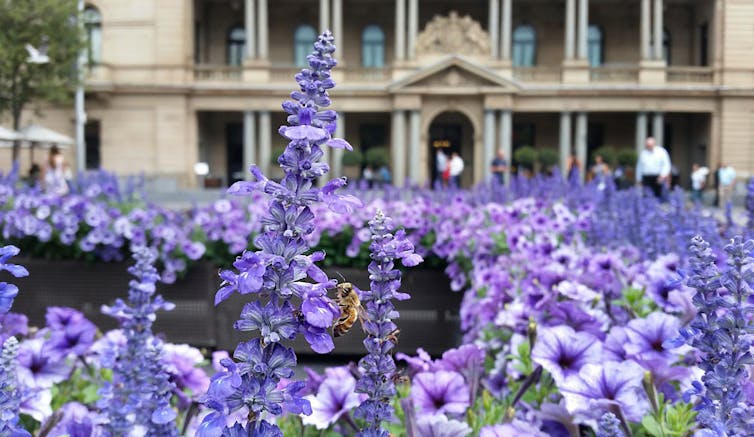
176 82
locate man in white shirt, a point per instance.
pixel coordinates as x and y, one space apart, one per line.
698 181
456 168
727 177
653 167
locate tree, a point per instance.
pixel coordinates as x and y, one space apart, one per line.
50 24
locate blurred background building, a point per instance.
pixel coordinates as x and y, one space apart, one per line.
171 83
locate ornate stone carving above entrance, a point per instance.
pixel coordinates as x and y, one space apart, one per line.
453 35
454 77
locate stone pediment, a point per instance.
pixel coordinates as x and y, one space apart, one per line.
452 73
453 34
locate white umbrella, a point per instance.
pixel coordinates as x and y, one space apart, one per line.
35 133
8 134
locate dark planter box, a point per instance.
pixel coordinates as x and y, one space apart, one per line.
429 319
87 286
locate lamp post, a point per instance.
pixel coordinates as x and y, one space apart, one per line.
80 114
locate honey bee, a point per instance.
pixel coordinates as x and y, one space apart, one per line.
393 336
350 308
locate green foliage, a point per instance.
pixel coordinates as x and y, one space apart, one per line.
608 153
353 159
677 420
525 156
635 301
377 156
627 157
276 152
37 22
548 158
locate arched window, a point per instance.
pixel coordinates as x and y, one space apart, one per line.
524 46
303 40
93 26
236 45
594 39
373 47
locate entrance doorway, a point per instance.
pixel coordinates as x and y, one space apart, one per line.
452 132
234 152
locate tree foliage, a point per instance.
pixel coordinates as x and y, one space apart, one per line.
50 23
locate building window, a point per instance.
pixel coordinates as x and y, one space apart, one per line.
595 46
704 45
236 45
92 141
93 27
524 46
373 47
303 39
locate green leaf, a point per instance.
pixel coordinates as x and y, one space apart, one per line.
651 426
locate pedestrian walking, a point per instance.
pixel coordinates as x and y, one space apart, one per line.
727 178
698 181
57 173
653 167
499 167
456 169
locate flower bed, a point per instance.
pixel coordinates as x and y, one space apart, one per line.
586 311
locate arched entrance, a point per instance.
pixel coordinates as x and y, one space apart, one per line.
452 132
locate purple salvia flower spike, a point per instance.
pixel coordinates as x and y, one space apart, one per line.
138 398
722 333
378 366
10 396
274 276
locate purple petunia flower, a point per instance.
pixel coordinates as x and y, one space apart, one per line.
515 428
646 337
37 368
563 352
438 425
74 338
335 397
599 388
440 392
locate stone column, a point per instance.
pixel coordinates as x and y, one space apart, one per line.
249 141
250 18
581 146
337 26
413 27
414 166
265 141
506 30
398 149
324 15
646 24
565 141
262 30
658 30
494 28
570 29
641 131
583 29
400 30
337 154
506 137
658 128
489 143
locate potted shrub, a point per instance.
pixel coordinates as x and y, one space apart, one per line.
609 155
377 157
626 159
547 159
525 157
275 171
352 162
